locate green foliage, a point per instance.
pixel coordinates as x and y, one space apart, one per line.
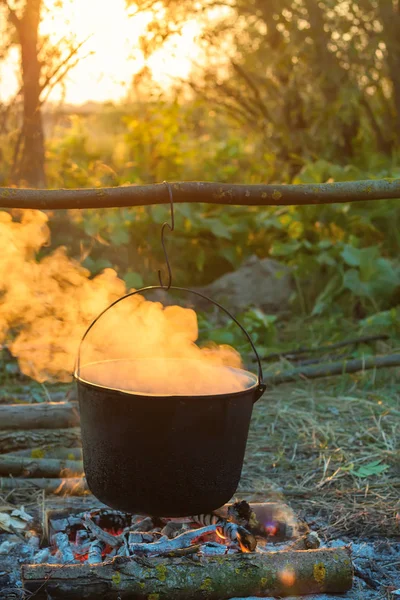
260 326
344 257
373 468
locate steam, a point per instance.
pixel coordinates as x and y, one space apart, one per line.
152 349
46 306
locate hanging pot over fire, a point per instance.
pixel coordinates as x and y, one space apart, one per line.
164 422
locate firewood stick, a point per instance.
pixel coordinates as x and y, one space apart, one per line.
334 368
14 440
70 486
283 573
46 415
39 467
59 453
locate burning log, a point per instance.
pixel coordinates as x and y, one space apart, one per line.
14 440
46 415
271 520
285 573
39 467
68 486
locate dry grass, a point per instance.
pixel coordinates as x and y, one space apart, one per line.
309 442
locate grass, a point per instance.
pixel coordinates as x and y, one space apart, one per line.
331 450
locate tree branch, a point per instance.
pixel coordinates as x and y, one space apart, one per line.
12 14
200 191
334 368
62 64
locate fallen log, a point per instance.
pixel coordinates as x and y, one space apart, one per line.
70 486
46 415
60 453
334 368
39 467
14 440
269 574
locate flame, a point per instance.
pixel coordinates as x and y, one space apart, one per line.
243 547
271 529
46 306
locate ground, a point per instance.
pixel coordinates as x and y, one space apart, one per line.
329 448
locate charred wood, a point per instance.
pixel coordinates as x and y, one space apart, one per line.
14 440
39 467
95 552
46 415
284 573
64 550
165 545
101 535
271 520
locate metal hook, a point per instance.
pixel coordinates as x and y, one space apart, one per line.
171 227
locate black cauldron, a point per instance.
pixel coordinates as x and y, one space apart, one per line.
170 456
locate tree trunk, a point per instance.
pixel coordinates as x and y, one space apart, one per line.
390 18
30 166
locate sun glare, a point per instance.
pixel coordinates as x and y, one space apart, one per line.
111 54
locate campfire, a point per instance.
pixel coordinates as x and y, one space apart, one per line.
241 548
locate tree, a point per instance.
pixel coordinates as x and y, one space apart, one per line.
312 78
43 66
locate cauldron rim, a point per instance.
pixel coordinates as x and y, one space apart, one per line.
251 376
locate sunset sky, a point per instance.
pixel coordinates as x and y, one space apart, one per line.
107 73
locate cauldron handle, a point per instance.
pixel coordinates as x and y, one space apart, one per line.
260 385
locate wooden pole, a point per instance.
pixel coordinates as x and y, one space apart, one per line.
202 191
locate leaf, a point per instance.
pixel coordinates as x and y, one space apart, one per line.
281 249
223 336
218 228
332 289
200 260
159 214
119 236
133 280
372 468
351 255
325 258
352 282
